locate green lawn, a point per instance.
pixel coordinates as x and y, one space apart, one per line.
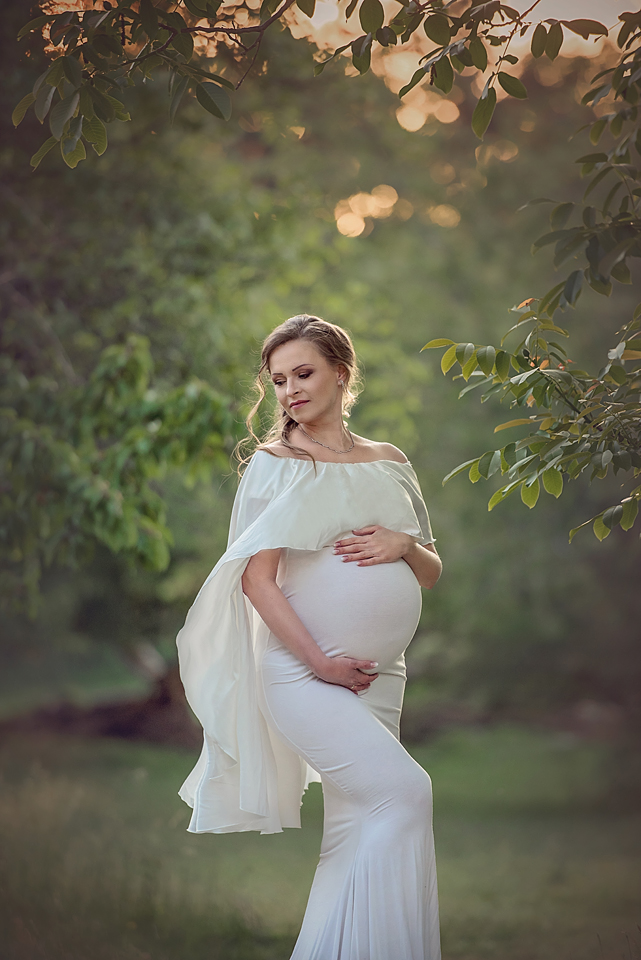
95 863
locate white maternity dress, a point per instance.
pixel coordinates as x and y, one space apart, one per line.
271 726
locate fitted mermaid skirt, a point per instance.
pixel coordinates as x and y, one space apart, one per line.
374 893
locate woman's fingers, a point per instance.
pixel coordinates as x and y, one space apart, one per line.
352 544
363 664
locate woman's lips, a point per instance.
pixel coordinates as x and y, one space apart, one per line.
298 403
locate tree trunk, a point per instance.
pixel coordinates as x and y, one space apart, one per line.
162 717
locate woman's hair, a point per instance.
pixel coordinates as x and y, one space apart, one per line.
334 344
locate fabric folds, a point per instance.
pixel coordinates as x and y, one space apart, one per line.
246 778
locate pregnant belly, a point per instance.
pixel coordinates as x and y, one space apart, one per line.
363 612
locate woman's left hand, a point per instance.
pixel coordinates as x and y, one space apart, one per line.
374 545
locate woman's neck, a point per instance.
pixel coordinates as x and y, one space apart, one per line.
334 435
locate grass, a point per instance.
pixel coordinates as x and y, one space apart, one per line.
95 863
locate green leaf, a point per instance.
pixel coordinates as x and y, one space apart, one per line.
198 9
560 215
102 104
612 516
619 252
362 61
85 104
61 113
351 6
575 530
386 37
629 515
502 365
596 180
307 6
448 359
592 158
554 41
478 54
73 158
461 467
553 482
371 15
214 99
443 75
539 40
585 28
593 96
95 133
107 45
42 152
509 454
469 366
600 529
119 109
502 494
552 237
530 494
73 71
596 130
512 85
417 76
440 342
464 352
483 112
177 93
617 372
489 463
572 287
68 143
184 44
21 108
486 357
33 25
437 28
513 423
55 72
474 474
149 18
43 100
621 272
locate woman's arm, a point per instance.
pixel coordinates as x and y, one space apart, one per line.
377 544
259 585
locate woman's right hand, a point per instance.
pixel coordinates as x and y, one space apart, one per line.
347 672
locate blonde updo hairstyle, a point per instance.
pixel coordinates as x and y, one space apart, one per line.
334 344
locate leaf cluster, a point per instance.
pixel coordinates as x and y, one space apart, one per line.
102 50
99 52
79 464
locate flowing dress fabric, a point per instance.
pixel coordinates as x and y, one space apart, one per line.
271 726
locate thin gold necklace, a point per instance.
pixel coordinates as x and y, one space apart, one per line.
349 449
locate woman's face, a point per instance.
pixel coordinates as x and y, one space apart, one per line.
306 384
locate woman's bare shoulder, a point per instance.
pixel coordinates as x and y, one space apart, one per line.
384 451
277 449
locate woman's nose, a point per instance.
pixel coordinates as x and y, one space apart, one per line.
292 388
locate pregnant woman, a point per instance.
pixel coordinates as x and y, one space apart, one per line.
292 657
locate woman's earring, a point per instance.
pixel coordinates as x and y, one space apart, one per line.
340 383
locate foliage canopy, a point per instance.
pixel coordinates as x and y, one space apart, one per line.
97 462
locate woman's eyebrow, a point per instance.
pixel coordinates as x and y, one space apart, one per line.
293 370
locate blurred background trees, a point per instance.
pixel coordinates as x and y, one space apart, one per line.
169 258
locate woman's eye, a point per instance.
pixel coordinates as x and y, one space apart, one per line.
304 376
